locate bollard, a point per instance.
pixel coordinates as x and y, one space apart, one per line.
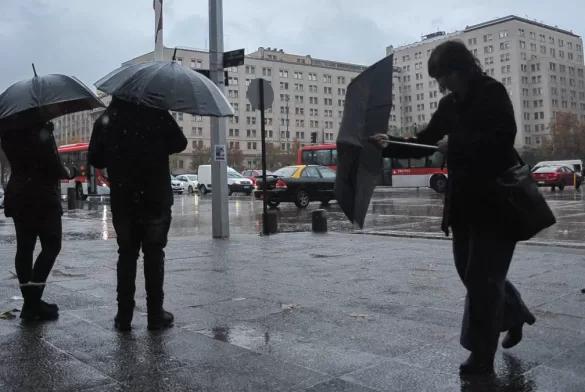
319 221
271 223
71 198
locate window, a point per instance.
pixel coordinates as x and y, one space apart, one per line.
562 54
542 38
298 75
505 57
533 47
488 60
341 102
299 87
507 81
505 45
553 52
472 41
487 38
233 93
327 90
488 49
196 64
562 68
328 101
542 49
532 35
341 80
300 111
252 146
234 120
522 45
313 100
283 85
521 32
267 71
527 140
312 88
251 120
327 78
283 73
312 76
503 34
523 56
523 67
506 68
251 133
299 99
250 69
340 91
198 131
570 56
561 43
232 81
551 40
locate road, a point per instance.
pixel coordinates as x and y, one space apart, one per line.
391 211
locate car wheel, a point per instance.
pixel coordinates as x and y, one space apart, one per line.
203 190
302 199
438 183
578 185
553 188
562 186
272 203
230 191
190 190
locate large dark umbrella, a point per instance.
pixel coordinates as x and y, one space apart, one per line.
43 98
166 85
367 110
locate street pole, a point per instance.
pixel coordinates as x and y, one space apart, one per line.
263 148
158 31
219 196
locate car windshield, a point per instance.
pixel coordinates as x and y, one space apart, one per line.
173 177
234 175
191 177
546 169
326 172
286 171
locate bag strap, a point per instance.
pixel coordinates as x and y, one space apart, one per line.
520 160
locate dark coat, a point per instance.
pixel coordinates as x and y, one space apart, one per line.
134 143
481 131
33 189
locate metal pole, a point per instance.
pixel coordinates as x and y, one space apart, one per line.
158 31
263 147
219 200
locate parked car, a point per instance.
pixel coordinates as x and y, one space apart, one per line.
191 181
575 164
178 186
236 182
557 176
254 174
299 184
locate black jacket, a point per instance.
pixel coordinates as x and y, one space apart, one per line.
481 131
36 170
134 143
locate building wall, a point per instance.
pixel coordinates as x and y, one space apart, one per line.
517 52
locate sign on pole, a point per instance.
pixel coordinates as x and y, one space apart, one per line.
234 58
261 96
219 153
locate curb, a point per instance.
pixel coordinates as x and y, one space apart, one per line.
431 236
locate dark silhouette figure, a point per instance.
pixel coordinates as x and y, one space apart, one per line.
134 142
477 118
32 200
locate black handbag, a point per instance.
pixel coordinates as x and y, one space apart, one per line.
524 210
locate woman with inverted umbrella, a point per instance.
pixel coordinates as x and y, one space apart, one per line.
32 197
478 118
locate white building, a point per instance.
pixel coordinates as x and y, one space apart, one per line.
541 66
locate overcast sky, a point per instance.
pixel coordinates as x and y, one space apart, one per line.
88 38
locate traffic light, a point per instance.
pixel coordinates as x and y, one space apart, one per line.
313 137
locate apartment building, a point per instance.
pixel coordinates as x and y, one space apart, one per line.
309 96
541 66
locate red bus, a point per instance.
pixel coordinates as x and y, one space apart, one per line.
75 155
398 173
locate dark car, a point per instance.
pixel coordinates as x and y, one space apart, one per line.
299 184
252 175
557 177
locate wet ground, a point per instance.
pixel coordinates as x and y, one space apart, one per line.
392 212
291 312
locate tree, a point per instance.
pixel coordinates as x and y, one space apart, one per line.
200 156
566 139
235 159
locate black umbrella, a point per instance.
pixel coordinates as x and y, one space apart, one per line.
168 86
359 163
43 98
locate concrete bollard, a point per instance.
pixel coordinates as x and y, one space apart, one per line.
71 198
319 221
271 223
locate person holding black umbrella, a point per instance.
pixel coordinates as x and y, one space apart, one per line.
474 126
134 142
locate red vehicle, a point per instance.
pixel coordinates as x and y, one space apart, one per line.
252 175
399 173
75 155
557 177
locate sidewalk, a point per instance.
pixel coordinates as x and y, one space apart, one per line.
292 312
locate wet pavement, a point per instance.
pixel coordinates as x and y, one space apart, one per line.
291 312
393 212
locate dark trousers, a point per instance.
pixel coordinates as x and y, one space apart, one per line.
151 233
493 304
48 230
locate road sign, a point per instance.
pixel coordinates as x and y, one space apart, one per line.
253 94
234 58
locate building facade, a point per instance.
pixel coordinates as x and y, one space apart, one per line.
541 66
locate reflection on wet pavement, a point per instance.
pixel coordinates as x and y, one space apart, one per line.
390 211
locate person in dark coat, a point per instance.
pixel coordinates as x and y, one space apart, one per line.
134 143
33 201
475 128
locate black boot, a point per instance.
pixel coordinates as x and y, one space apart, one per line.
33 308
52 306
478 364
160 320
123 319
514 335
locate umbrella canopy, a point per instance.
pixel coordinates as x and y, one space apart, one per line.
43 98
168 86
367 110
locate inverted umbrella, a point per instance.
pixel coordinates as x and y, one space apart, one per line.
359 163
168 86
44 98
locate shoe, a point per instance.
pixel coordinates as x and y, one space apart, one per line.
48 305
38 312
122 323
514 335
477 364
160 320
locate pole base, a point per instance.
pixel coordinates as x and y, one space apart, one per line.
270 223
319 221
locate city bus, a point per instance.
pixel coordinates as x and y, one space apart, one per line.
75 155
429 172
